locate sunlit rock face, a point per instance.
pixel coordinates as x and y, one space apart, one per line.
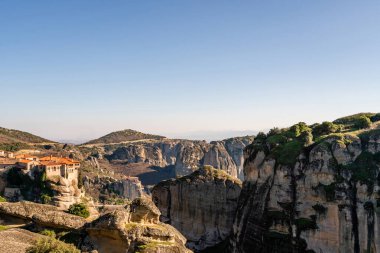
134 228
325 201
186 156
201 205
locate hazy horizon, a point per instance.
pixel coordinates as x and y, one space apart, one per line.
77 70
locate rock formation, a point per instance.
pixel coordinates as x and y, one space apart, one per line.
40 214
66 192
201 205
186 156
17 240
136 228
133 228
302 196
102 188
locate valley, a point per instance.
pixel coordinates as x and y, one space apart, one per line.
305 188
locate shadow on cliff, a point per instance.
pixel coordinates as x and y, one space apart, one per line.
155 174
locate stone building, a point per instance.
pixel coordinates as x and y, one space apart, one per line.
51 165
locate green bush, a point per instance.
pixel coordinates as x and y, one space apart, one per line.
79 210
13 147
2 199
51 245
45 199
363 122
2 227
287 154
48 232
326 128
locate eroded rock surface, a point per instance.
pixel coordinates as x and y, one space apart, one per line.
201 205
186 156
44 215
17 240
326 200
136 228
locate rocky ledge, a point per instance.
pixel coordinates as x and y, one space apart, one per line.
40 214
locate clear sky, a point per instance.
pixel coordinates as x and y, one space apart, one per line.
80 69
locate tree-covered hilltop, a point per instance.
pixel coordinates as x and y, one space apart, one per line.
286 144
123 136
13 140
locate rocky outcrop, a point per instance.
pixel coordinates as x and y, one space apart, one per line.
66 192
186 156
40 214
17 240
325 200
136 228
102 187
201 205
133 228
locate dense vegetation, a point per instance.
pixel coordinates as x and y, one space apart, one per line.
14 146
286 144
80 210
16 136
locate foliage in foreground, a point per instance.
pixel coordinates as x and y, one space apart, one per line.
2 227
51 245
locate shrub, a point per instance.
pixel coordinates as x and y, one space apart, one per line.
274 131
2 199
297 129
51 245
46 199
79 210
287 154
363 122
326 128
48 232
2 227
260 137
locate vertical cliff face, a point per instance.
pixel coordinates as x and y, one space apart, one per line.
201 206
109 189
305 196
186 156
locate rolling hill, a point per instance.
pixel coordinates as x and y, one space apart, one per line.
13 140
123 136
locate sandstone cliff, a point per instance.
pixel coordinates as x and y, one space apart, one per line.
308 189
186 156
103 188
201 205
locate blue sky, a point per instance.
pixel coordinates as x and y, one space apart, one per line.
80 69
